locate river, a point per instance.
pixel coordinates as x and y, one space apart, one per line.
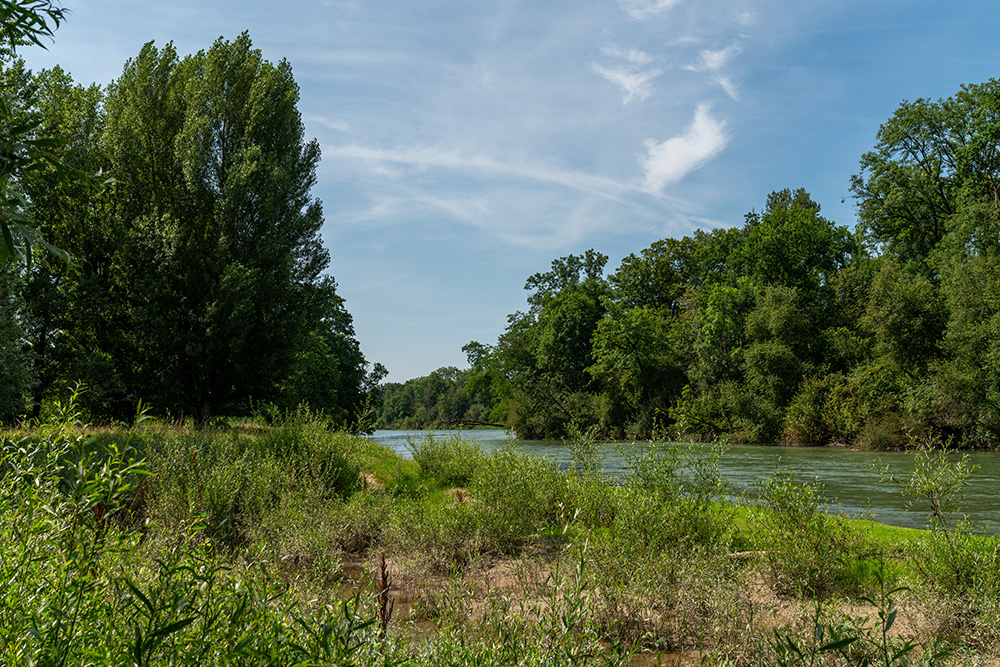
851 480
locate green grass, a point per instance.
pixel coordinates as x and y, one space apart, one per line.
229 546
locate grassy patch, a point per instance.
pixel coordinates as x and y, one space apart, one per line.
244 545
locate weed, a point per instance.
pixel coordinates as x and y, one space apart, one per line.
852 641
807 551
449 461
585 451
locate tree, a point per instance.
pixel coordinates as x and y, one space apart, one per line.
658 276
792 245
931 159
907 318
16 375
65 300
328 369
22 150
638 365
218 284
537 371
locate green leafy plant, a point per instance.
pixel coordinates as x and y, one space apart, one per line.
449 460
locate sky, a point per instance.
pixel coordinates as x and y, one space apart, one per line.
468 143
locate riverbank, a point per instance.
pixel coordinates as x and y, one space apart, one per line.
853 481
257 542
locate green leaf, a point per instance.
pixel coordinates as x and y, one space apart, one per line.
839 644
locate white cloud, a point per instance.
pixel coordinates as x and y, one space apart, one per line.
728 86
646 9
634 56
713 61
329 123
636 84
669 161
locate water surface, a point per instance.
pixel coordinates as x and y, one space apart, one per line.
851 480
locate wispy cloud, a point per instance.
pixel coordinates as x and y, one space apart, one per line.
513 202
642 10
713 61
637 84
728 86
380 160
634 56
669 161
329 123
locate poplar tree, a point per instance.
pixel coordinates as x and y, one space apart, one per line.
218 269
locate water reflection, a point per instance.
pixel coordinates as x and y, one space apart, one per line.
851 479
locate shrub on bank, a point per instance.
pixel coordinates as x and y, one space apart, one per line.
449 461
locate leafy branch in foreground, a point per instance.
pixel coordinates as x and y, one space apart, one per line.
22 150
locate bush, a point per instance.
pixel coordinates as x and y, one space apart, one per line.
445 537
686 479
808 552
449 461
806 420
517 493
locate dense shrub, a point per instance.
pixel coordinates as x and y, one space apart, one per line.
450 461
518 493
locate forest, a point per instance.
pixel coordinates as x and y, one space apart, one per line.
177 255
789 327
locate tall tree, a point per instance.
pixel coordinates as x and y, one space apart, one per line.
538 368
218 264
66 301
791 244
931 159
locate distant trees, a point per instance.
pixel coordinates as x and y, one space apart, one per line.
198 282
790 327
442 398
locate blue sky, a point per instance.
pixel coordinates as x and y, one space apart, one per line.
468 143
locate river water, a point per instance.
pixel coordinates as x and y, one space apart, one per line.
851 480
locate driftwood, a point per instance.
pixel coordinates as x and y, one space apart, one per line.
448 423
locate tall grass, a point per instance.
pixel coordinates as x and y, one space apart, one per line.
153 545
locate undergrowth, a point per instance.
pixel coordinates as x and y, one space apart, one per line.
152 545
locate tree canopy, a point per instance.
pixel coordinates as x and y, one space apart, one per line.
199 281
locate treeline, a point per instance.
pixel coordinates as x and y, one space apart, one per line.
788 328
445 398
196 279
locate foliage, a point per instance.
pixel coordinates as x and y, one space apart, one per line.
847 640
518 491
131 524
22 149
537 371
199 283
445 398
217 234
16 373
808 551
449 460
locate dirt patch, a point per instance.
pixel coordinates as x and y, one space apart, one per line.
425 601
368 482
